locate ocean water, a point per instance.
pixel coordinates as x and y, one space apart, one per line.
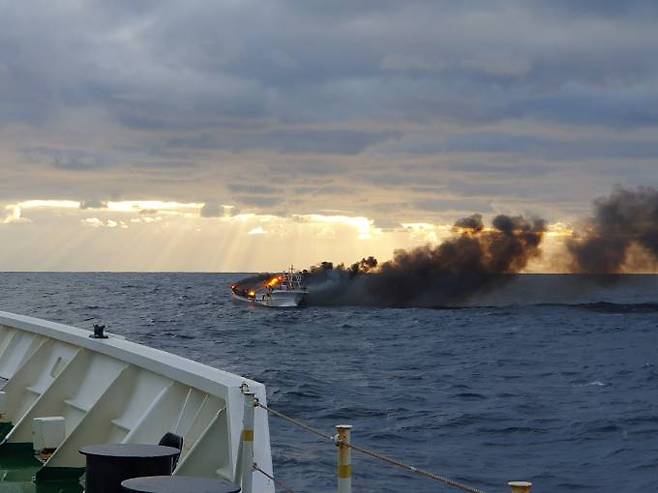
550 379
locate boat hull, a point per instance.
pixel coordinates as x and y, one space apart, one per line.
276 299
115 391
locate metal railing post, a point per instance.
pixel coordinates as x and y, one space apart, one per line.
520 486
344 466
248 443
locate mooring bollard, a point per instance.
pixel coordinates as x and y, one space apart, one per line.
520 486
344 466
248 442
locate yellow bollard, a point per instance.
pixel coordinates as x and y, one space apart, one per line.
520 486
344 466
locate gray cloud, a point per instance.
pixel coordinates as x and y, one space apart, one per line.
552 148
288 141
323 190
211 209
600 8
259 201
93 204
172 66
342 100
251 188
452 204
387 224
70 159
166 165
306 168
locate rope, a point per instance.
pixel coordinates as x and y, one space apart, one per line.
278 482
308 428
415 470
372 453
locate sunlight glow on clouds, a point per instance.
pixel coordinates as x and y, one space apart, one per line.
176 236
52 204
363 225
155 205
257 231
94 222
14 215
428 233
124 238
15 211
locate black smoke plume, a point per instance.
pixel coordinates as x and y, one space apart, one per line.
622 235
473 260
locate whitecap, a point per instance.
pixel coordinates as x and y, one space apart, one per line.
595 383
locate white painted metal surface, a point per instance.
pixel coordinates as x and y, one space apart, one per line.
248 443
48 432
115 391
275 298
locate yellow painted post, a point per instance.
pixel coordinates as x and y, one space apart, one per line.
248 442
520 486
344 466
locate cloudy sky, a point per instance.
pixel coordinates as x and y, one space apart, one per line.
244 135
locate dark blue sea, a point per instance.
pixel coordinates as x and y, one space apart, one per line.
551 379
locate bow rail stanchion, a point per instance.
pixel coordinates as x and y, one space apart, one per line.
520 486
248 441
344 456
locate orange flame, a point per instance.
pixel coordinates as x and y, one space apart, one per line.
274 281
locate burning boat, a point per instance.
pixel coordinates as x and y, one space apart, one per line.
285 290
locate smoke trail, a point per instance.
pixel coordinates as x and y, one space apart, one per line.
623 231
473 260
